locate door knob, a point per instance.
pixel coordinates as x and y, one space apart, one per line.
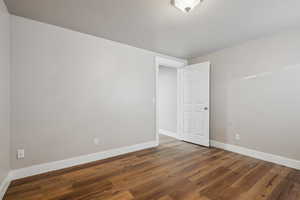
205 108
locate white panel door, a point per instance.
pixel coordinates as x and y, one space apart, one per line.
195 103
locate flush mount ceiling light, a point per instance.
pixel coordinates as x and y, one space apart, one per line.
185 5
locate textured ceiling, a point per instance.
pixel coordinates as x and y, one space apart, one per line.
156 25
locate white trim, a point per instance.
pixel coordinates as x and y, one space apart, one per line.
169 133
170 62
167 62
179 103
258 154
4 185
52 166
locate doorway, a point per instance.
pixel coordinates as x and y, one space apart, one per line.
182 100
166 69
167 101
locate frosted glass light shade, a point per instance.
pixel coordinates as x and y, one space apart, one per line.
186 5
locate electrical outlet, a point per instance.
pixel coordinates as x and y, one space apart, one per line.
96 141
237 136
20 154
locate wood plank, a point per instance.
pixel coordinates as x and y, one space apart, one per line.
173 171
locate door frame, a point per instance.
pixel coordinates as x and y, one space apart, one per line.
174 63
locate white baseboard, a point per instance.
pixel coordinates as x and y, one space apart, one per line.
4 185
259 155
52 166
169 133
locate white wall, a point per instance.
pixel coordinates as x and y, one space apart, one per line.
69 88
4 91
168 99
255 92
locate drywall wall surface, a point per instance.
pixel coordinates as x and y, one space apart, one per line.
69 89
4 91
255 92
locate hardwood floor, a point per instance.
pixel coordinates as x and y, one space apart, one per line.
173 171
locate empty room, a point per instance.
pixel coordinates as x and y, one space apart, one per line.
149 100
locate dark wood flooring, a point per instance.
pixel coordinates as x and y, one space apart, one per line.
173 171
